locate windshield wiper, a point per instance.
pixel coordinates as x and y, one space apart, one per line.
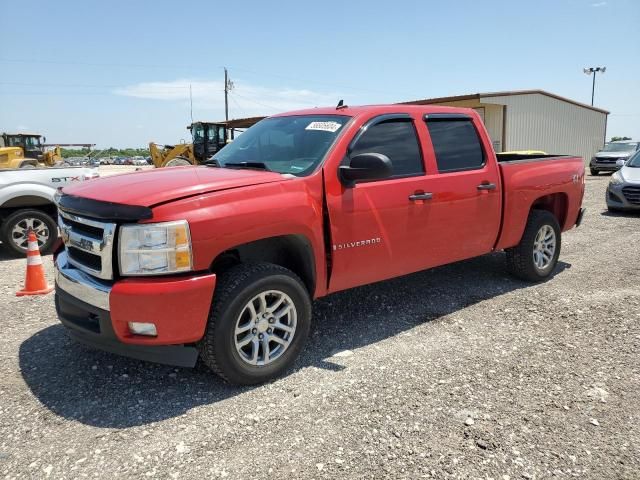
257 165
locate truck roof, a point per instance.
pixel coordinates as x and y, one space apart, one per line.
353 111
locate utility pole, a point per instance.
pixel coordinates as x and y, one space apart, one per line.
226 95
593 70
228 86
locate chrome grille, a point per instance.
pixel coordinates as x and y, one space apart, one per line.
89 244
632 194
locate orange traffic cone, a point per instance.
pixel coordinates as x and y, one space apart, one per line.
35 283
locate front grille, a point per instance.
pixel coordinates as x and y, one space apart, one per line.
89 244
94 232
632 194
89 259
606 160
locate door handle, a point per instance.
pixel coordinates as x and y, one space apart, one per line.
421 196
486 186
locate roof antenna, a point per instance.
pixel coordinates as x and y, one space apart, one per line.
341 105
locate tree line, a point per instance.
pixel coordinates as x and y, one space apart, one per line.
107 152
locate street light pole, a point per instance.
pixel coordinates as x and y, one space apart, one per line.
593 70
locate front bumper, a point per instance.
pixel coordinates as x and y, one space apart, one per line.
616 197
98 313
604 166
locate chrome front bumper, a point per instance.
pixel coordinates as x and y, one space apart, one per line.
81 285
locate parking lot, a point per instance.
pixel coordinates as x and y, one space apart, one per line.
456 372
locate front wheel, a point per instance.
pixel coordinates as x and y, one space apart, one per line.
536 256
594 173
15 231
258 324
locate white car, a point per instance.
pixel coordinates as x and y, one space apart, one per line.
623 192
26 202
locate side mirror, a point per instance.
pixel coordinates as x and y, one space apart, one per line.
366 166
620 162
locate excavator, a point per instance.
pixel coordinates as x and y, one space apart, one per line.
207 139
29 150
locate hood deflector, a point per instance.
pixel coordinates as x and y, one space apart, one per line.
102 210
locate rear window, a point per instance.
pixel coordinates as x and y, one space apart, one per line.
456 144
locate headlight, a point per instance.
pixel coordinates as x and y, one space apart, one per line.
616 179
155 248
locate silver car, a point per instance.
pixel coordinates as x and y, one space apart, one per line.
623 192
606 159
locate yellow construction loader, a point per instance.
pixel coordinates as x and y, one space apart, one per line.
26 150
207 139
29 150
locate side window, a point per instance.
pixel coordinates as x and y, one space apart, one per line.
456 144
211 134
397 140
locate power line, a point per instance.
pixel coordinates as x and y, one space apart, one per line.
234 67
258 103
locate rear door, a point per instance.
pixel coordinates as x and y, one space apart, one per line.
465 209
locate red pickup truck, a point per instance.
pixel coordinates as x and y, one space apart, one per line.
222 261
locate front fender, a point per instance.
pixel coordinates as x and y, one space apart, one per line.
225 219
10 195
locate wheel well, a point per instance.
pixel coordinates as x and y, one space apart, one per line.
555 203
293 252
27 202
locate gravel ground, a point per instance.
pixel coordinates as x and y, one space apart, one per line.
457 372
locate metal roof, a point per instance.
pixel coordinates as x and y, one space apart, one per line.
479 96
243 122
24 134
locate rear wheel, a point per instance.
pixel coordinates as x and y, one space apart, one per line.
258 324
15 231
536 256
178 162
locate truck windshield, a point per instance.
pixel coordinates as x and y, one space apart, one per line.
294 144
620 147
634 161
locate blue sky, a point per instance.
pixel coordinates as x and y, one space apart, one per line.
117 73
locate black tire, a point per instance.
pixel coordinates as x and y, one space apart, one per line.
234 290
18 216
520 260
179 162
594 173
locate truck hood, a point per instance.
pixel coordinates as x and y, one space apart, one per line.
631 174
152 187
613 154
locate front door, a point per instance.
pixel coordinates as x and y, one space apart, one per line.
378 227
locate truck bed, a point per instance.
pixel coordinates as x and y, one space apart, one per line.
520 157
553 181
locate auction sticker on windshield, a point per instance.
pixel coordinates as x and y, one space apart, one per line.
324 126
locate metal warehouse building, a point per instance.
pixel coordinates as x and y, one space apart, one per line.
534 120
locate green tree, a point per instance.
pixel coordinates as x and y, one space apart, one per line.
618 139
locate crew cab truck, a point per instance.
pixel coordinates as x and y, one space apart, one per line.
26 202
222 261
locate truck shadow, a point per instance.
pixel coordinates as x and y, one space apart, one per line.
107 391
620 213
